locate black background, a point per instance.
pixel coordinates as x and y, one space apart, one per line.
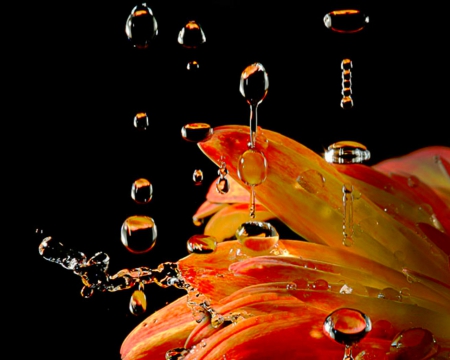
80 83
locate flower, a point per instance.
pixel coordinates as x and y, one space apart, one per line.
241 304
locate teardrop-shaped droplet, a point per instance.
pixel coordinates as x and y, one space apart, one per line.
345 21
222 185
347 152
201 244
138 234
414 343
141 26
191 35
347 326
193 65
141 121
254 83
196 132
257 236
142 191
197 177
138 302
252 169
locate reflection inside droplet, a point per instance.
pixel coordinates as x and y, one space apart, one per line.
252 169
347 152
142 191
141 26
138 302
191 35
197 177
138 234
201 244
196 132
141 121
345 21
414 343
257 236
254 83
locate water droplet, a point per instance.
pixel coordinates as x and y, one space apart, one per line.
138 302
345 21
141 121
191 35
193 65
312 181
197 177
346 64
142 191
347 222
201 244
141 26
320 284
347 326
414 343
347 102
252 169
222 185
254 83
176 354
138 234
257 236
87 292
196 132
390 294
347 152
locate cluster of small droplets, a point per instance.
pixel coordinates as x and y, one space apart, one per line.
222 184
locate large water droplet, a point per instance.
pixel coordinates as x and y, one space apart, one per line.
138 234
201 244
140 121
142 191
141 26
345 21
138 302
252 169
254 83
347 152
414 344
257 236
196 132
191 35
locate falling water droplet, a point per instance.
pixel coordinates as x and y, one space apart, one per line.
252 169
201 244
346 21
347 326
196 132
138 301
257 236
222 184
141 121
141 26
191 35
142 191
193 65
347 152
197 177
347 102
138 234
347 223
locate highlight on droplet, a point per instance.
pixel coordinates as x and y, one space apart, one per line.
142 191
138 234
346 21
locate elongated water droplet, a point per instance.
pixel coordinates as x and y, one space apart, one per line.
346 21
138 302
252 169
141 26
191 35
142 191
141 121
257 236
254 83
347 152
138 234
347 223
196 132
197 177
201 244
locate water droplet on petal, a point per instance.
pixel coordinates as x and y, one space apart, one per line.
257 236
141 26
414 344
201 244
347 152
176 354
142 191
254 83
345 21
138 234
138 302
196 132
390 294
312 181
191 35
252 169
197 177
141 121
